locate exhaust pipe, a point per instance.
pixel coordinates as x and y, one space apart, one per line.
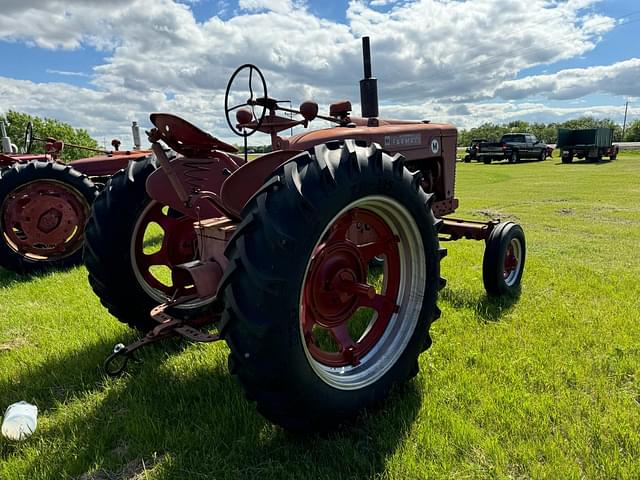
368 85
135 130
6 141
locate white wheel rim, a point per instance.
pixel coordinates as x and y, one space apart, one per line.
393 342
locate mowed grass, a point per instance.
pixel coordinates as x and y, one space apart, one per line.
545 385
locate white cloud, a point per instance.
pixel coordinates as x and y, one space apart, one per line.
621 78
65 73
432 57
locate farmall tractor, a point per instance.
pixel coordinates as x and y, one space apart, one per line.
284 257
45 203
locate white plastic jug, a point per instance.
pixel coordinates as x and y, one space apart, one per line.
20 421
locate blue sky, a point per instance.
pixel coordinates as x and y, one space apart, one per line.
551 60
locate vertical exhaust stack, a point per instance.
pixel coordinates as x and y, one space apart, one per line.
135 130
6 142
368 85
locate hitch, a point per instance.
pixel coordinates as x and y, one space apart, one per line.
168 327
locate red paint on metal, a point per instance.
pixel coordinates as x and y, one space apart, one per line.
178 245
44 219
245 182
457 229
510 261
195 175
336 286
107 165
186 138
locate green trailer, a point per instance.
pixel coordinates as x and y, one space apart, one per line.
589 143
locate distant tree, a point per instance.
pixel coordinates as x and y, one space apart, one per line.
545 132
632 133
48 127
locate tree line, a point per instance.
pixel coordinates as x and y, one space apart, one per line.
548 132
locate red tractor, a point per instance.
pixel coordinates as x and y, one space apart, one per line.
44 203
281 254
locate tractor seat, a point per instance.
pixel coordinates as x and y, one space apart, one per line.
340 109
186 138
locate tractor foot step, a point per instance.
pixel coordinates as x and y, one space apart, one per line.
168 326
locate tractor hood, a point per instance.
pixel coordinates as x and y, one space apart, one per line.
414 139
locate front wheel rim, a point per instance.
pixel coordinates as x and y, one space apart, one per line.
337 285
512 262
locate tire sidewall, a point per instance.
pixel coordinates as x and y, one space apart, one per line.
498 243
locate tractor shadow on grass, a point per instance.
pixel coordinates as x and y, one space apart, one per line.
584 161
187 419
7 277
488 309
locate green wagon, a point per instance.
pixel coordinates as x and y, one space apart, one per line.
589 143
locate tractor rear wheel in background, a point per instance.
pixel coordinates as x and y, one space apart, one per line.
315 336
43 210
132 242
487 160
503 261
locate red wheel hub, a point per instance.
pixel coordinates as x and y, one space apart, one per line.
337 286
510 261
45 219
178 245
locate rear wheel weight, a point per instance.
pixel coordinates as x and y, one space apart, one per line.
295 282
504 259
43 210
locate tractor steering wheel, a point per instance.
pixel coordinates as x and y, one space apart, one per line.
251 102
28 138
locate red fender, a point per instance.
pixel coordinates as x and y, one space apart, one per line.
247 180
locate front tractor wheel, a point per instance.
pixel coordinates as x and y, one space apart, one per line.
43 210
315 334
503 262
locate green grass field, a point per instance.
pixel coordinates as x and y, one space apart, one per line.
543 386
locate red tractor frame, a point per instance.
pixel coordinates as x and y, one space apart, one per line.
44 203
318 263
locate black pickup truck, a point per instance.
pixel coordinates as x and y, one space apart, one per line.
512 147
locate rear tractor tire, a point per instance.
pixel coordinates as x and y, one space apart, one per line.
132 242
43 210
314 336
487 160
504 257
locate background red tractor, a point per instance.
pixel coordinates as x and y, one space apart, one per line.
45 203
282 261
